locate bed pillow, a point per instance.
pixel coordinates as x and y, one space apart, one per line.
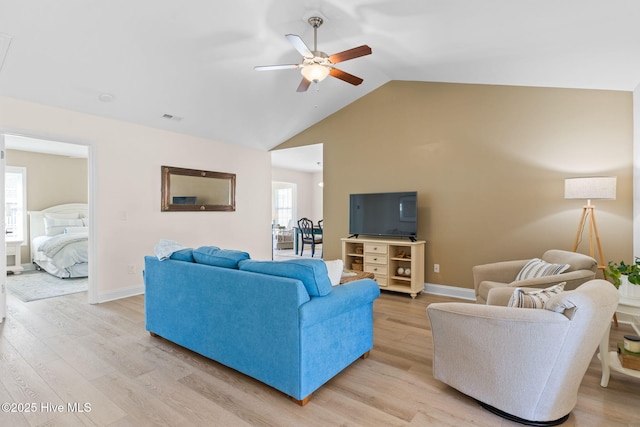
76 230
211 255
534 298
311 272
55 226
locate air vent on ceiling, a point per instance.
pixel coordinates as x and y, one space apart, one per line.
171 117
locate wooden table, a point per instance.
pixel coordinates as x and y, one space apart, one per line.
359 275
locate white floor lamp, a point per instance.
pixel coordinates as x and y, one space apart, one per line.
590 188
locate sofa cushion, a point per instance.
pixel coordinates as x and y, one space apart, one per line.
212 255
185 254
539 268
334 269
311 272
534 298
576 260
560 303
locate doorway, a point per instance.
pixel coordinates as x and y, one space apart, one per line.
57 173
296 175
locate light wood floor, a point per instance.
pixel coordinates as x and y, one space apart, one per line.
64 351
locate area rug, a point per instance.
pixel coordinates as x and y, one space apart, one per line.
37 285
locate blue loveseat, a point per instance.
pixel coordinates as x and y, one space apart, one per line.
280 322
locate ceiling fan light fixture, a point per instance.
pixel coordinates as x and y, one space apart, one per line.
315 72
317 65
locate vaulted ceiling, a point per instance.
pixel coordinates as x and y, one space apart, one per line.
141 61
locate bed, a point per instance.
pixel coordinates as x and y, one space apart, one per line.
59 240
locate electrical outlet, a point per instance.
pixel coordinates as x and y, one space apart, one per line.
131 269
436 268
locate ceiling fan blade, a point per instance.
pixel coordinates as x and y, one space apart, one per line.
275 67
300 46
304 85
356 52
349 78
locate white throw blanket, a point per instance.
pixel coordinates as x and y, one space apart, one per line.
56 243
165 248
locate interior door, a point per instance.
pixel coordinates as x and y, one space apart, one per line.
3 247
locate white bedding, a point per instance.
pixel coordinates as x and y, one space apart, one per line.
63 251
55 244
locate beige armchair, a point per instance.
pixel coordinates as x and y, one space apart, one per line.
503 274
523 364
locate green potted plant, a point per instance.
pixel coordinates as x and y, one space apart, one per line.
625 276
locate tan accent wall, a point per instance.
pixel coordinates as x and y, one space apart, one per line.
488 163
51 180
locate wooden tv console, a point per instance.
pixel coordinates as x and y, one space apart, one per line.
388 260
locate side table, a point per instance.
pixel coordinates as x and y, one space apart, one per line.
14 261
609 359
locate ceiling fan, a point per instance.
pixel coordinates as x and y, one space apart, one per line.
317 65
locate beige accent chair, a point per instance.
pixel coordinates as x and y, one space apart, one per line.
523 364
502 274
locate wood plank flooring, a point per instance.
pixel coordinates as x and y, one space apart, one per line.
100 360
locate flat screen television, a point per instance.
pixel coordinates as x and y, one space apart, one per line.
384 214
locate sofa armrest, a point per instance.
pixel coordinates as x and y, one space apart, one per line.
503 272
342 299
499 296
462 358
573 279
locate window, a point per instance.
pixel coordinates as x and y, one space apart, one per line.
284 195
15 198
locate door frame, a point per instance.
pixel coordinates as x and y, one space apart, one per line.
92 286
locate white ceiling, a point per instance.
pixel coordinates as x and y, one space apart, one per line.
305 159
194 59
45 146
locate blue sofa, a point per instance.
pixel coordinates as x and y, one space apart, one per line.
280 322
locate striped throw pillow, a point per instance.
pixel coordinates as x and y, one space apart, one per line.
534 298
539 268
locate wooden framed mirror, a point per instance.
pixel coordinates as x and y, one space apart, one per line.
197 190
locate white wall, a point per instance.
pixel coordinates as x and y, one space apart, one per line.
309 193
317 194
636 172
126 190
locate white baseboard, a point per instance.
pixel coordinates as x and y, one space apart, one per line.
121 293
450 291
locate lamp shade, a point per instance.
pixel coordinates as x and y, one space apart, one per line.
596 187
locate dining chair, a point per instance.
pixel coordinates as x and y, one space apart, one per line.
321 227
305 226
